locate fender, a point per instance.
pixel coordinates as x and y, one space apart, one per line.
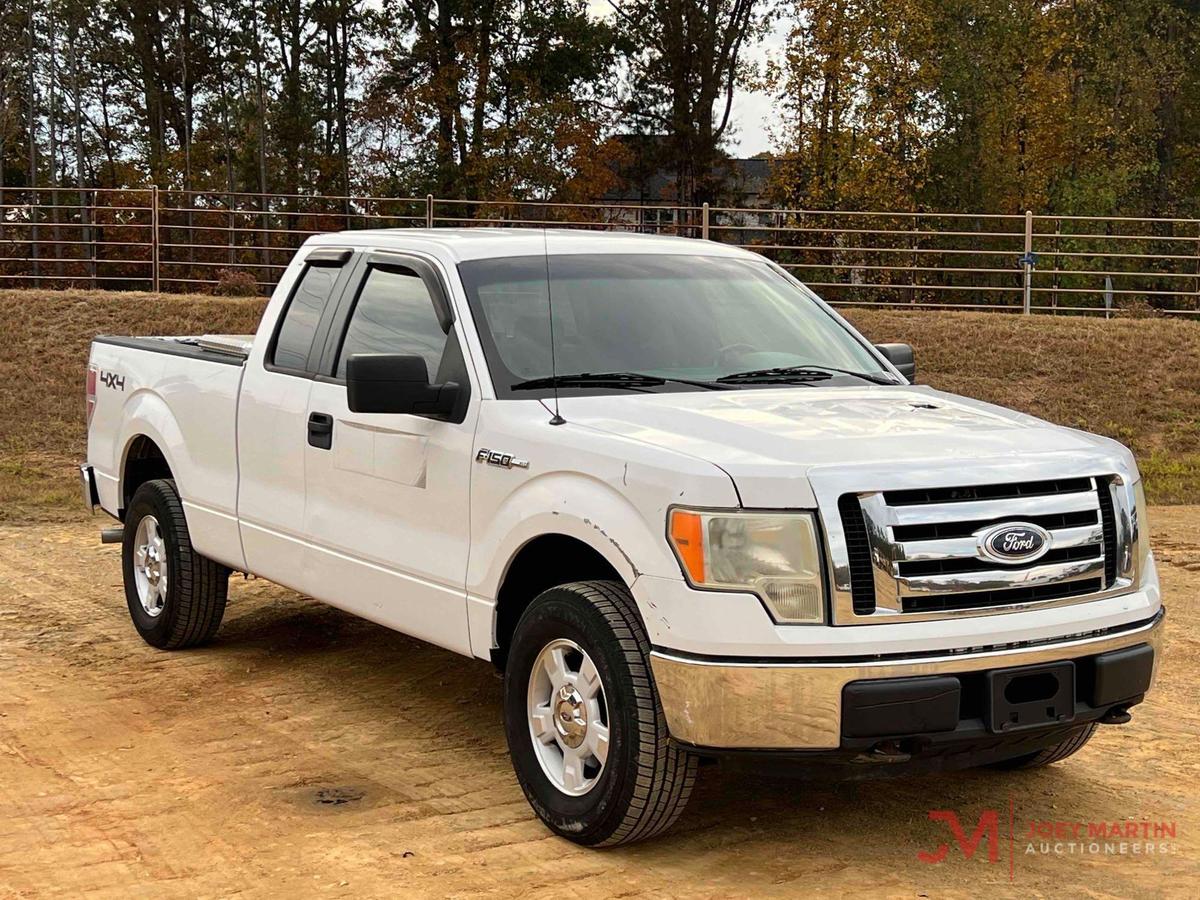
207 486
576 505
579 506
146 414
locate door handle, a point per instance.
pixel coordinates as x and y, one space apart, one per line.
320 430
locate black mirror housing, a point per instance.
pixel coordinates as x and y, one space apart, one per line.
394 383
901 356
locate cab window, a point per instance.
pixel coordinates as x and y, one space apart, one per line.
394 313
303 314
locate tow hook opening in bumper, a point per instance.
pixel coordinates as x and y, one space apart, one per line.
1118 715
887 752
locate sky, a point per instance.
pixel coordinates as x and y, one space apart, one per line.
753 113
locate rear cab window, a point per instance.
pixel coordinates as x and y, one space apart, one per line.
307 312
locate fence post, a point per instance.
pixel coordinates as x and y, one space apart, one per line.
1027 260
89 199
33 232
913 260
429 210
704 222
1198 264
229 209
154 237
1057 263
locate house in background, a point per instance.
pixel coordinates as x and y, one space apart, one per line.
646 194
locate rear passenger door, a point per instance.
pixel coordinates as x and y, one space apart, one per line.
388 494
272 420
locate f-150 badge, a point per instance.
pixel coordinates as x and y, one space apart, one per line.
503 460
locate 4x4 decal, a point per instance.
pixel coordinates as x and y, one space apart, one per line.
112 380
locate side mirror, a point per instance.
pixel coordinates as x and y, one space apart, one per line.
901 356
392 383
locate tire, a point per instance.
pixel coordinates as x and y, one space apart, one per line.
186 611
645 780
1069 746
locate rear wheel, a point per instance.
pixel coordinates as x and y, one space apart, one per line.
584 723
176 597
1069 746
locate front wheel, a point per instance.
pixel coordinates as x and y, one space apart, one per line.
584 723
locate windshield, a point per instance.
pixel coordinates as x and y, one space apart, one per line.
683 321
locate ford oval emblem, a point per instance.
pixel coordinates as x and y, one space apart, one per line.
1014 542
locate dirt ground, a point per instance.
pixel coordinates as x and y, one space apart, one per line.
307 753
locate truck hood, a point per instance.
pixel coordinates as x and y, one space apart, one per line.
769 440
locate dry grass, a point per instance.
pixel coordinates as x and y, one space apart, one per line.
43 351
1135 380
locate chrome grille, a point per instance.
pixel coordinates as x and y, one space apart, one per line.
922 557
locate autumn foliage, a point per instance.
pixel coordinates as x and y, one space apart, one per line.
1087 107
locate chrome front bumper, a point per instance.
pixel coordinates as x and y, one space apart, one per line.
731 704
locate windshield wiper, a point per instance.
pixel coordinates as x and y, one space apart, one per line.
632 380
805 374
865 376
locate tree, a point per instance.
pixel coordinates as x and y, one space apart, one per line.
684 60
492 99
991 105
1068 106
13 63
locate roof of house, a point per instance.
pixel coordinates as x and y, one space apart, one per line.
646 181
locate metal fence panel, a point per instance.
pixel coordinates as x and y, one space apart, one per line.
151 239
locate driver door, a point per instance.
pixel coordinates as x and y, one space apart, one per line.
388 494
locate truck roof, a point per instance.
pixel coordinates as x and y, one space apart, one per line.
489 241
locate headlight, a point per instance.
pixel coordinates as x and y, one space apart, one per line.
774 555
1141 532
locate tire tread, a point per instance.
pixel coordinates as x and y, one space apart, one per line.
202 584
665 773
1060 751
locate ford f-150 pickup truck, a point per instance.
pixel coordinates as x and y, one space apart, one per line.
685 507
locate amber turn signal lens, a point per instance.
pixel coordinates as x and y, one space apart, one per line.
688 537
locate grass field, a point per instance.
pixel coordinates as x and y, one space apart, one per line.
1137 380
43 354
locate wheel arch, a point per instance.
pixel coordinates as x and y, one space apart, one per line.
149 436
543 562
597 527
142 460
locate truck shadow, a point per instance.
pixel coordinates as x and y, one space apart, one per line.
423 693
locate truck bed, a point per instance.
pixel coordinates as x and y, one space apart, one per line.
220 348
182 394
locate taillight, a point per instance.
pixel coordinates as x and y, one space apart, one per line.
90 393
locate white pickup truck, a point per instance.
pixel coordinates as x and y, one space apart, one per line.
685 507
